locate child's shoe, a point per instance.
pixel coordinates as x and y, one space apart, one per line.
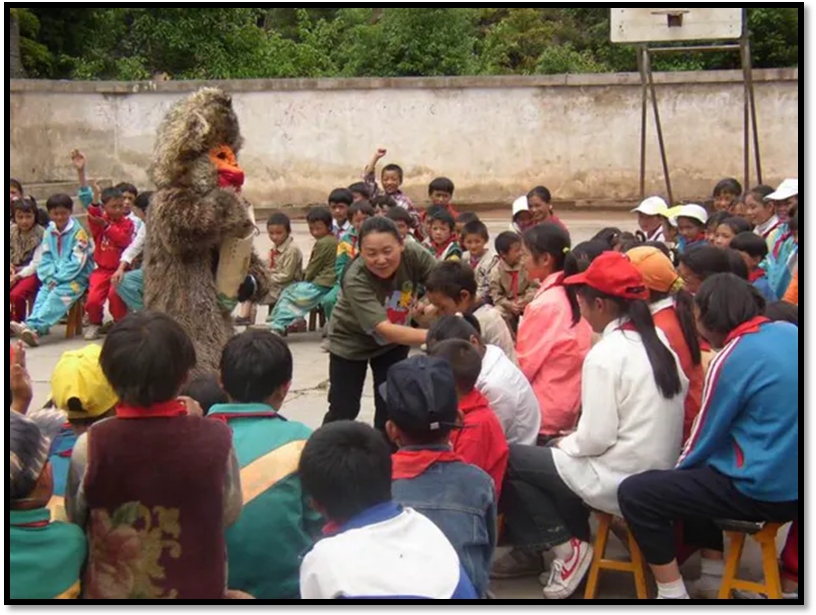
30 338
571 564
92 333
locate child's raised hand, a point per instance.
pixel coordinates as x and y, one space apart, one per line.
20 381
78 159
97 191
381 153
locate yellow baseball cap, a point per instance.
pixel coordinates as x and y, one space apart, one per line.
79 387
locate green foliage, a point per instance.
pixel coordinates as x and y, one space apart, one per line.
86 42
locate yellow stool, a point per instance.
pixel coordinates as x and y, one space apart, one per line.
636 567
765 535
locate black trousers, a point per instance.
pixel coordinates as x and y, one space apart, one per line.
347 381
653 501
540 510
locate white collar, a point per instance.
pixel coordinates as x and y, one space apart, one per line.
663 304
614 326
764 229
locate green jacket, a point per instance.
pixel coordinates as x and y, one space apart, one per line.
45 559
277 526
320 270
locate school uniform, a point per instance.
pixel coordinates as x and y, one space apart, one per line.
286 267
482 266
277 524
346 253
495 330
450 251
111 239
338 231
402 199
507 284
64 271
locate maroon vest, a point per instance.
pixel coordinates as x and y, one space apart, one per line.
155 496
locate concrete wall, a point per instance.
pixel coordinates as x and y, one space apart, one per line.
495 137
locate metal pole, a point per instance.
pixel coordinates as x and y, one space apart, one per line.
643 118
648 62
747 61
746 130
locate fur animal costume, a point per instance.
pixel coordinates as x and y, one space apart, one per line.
197 209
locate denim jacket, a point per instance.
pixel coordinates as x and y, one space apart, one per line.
460 499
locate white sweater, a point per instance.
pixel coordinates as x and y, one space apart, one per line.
510 396
627 427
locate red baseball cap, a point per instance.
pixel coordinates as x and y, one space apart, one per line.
613 274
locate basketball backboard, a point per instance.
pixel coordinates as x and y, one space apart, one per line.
663 25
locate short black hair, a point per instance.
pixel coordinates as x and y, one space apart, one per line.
361 207
398 214
205 390
728 186
750 243
396 169
319 214
346 469
146 358
659 245
27 206
737 224
715 219
126 187
442 215
627 241
342 196
466 217
450 278
783 311
505 241
280 220
761 192
384 201
476 227
109 194
254 365
588 251
142 201
464 360
454 328
59 201
379 224
14 183
738 265
725 302
441 184
706 261
360 188
541 192
608 235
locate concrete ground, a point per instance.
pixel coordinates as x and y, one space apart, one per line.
307 401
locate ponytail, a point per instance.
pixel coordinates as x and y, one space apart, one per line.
664 365
684 308
663 362
572 267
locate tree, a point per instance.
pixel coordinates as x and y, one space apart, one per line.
16 70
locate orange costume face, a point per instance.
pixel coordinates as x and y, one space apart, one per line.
230 175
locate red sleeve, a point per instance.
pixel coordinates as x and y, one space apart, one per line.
97 228
482 443
121 233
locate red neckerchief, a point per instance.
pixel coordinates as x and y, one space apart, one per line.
227 417
475 260
231 178
767 233
411 464
747 328
166 410
441 250
331 528
273 254
756 274
514 284
36 524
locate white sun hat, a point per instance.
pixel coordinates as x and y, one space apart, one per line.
519 205
787 189
653 206
695 212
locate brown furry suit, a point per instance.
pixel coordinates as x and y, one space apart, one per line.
189 217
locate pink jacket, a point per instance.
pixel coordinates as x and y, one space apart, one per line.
551 354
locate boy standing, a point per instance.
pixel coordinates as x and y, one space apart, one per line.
153 488
392 178
299 299
45 558
510 290
374 548
479 256
64 270
428 475
112 233
276 525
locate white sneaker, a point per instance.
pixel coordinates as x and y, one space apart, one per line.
16 328
30 338
92 333
566 574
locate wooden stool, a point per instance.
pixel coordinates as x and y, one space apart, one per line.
765 535
636 567
75 314
315 315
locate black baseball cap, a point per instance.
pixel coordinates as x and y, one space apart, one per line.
421 395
